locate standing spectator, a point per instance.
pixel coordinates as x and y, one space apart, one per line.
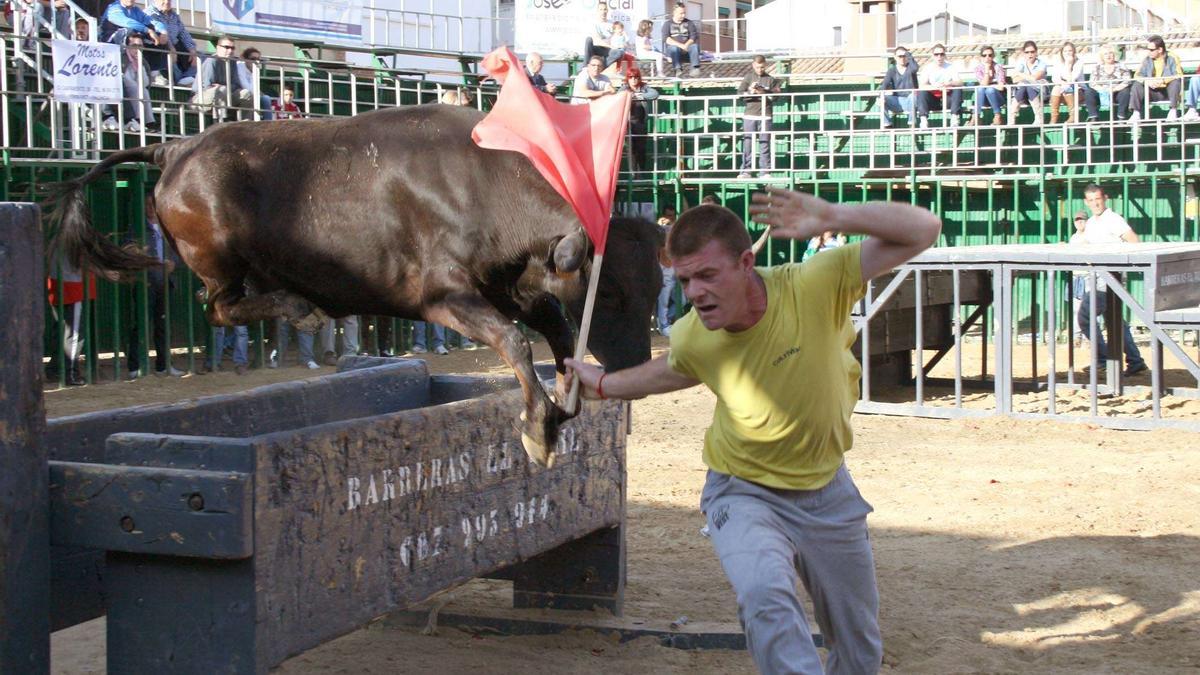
681 36
285 108
1029 81
899 89
383 333
123 17
135 83
662 310
1078 277
823 242
639 116
65 283
1068 73
990 76
1160 79
304 341
218 85
420 339
590 84
597 42
758 90
52 12
158 284
940 87
644 46
237 338
1108 86
178 56
533 65
247 68
1105 227
349 326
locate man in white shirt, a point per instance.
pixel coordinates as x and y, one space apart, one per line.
1105 227
936 80
590 84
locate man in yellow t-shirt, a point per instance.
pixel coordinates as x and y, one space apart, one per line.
774 346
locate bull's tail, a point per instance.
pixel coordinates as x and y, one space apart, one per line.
70 223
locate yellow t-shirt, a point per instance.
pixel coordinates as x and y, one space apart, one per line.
1160 64
786 387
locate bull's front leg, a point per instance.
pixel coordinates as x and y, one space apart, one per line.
474 317
546 317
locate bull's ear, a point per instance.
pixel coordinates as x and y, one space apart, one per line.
570 252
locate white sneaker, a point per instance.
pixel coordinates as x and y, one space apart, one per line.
418 349
1135 117
954 120
111 124
312 365
133 126
764 176
171 371
1172 115
158 80
744 175
273 359
1191 115
441 350
924 122
886 123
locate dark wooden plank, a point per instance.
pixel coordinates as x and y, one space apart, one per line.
152 510
1177 285
24 539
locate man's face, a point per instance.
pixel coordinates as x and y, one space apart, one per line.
224 48
535 64
677 14
602 10
81 30
1097 202
127 3
594 66
163 5
288 96
902 59
759 68
717 283
939 55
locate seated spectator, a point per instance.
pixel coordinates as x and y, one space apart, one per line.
158 284
898 91
590 84
710 199
619 39
178 55
681 36
1028 83
639 116
457 96
598 43
533 70
135 82
251 62
46 12
285 108
644 46
1109 86
1193 99
990 76
758 90
1159 79
123 17
218 86
940 88
1067 74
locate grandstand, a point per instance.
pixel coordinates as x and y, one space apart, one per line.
1005 184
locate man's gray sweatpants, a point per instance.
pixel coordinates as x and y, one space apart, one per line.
767 540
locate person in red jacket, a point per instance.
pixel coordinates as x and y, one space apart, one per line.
285 107
71 280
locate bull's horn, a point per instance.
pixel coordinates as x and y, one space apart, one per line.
762 241
570 252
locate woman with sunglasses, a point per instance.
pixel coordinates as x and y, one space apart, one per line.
1029 81
990 76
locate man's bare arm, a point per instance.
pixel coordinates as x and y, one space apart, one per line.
652 377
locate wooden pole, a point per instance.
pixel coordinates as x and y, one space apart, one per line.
585 327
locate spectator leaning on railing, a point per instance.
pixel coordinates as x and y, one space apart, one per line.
990 76
1109 85
1159 79
123 17
179 55
899 86
533 70
940 87
1028 83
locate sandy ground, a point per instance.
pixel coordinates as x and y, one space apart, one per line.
1002 546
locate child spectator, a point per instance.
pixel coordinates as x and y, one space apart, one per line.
644 46
285 108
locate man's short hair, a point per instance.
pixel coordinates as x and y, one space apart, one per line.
597 59
697 226
1157 41
759 58
939 46
1092 188
900 48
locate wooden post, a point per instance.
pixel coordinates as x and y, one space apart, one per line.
24 540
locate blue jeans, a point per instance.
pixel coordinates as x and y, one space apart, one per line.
676 55
894 103
762 130
1193 92
609 54
1133 357
990 95
304 340
662 310
238 338
419 338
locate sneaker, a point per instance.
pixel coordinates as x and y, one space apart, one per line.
1134 370
1172 115
886 123
1135 117
441 350
1191 115
924 122
158 80
133 126
312 365
171 371
764 176
330 359
954 121
418 349
694 72
468 344
110 124
744 175
132 375
665 331
273 359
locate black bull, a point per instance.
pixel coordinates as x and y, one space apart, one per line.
397 213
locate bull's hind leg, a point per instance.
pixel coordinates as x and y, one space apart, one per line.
477 319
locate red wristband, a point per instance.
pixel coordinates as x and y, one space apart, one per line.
600 385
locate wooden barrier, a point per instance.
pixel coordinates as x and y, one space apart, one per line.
227 533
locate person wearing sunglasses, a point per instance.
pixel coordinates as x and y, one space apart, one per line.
990 76
1029 82
1159 79
218 85
899 87
940 88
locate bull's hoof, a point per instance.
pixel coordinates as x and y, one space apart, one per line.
539 453
311 323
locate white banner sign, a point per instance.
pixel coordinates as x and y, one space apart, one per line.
558 27
87 72
332 20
